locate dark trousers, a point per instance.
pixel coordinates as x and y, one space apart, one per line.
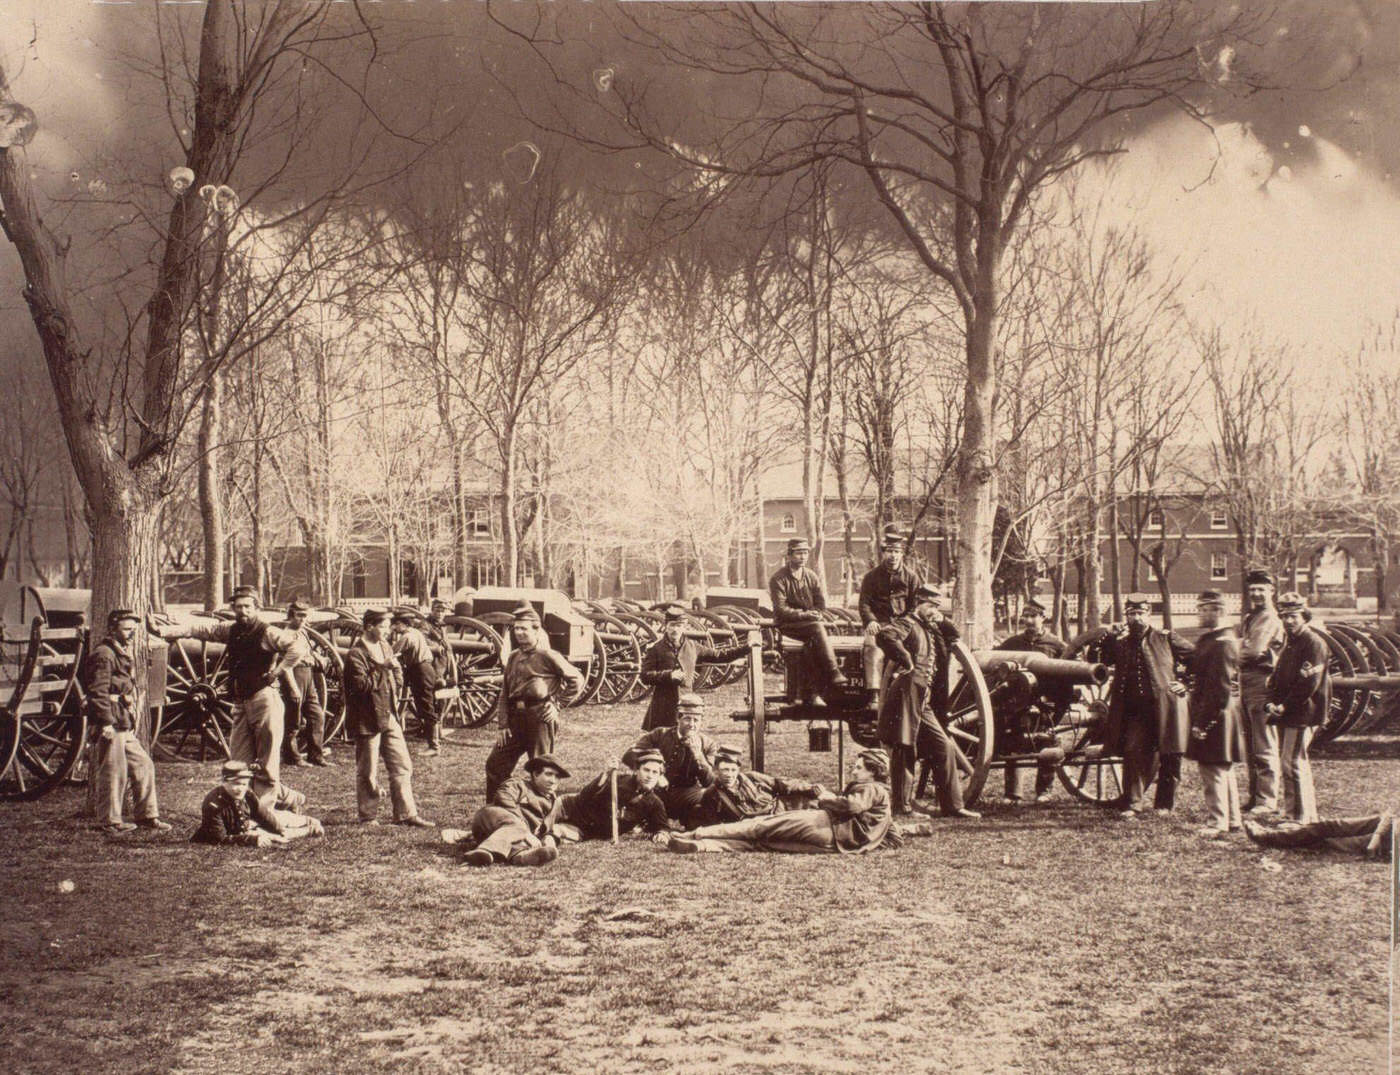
529 732
818 645
1139 760
1168 776
940 760
904 762
683 804
422 682
305 726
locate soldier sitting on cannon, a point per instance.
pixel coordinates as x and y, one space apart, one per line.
737 795
886 593
1056 695
798 604
233 813
689 755
669 667
517 825
856 820
587 814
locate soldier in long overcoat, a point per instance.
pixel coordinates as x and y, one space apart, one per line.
1300 694
1218 738
1148 720
669 667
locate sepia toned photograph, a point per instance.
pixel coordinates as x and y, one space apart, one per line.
618 536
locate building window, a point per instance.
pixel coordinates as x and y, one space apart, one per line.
1218 566
789 524
1151 573
1154 518
479 522
1219 521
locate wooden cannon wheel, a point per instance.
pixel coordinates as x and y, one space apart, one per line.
622 665
476 669
1087 772
45 720
969 724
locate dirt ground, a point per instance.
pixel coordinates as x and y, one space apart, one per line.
1044 939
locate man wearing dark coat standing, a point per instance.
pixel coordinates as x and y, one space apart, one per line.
1217 728
1261 639
910 726
1300 693
669 667
1148 722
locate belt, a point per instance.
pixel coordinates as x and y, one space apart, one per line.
525 707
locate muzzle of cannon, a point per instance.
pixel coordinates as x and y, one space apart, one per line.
1046 670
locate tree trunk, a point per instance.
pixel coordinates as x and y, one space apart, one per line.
760 567
510 534
1093 567
459 513
976 509
1114 558
211 502
259 549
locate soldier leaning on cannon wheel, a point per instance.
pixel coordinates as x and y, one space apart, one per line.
256 654
1148 722
1033 638
856 820
116 757
798 604
689 756
517 826
586 814
419 673
1217 727
370 683
886 593
669 667
306 719
737 795
910 724
528 714
1261 639
1300 693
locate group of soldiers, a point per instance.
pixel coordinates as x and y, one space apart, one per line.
1259 692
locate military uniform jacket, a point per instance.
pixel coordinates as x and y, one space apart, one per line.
110 681
886 595
1261 639
754 795
370 684
637 808
798 596
536 680
1301 683
1142 668
232 817
684 767
1217 732
536 811
860 816
662 659
911 643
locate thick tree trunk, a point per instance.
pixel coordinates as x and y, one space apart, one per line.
510 534
760 566
976 507
1093 567
211 501
1115 564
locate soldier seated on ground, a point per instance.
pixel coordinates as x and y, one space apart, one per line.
689 757
737 795
586 814
233 813
1370 837
517 825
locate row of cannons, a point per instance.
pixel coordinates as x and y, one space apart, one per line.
1006 708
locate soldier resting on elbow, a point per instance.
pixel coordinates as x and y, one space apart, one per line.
233 813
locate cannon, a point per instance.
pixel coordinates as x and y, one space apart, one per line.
1041 708
571 634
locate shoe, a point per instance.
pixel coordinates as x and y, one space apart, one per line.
154 823
1252 829
1012 800
430 751
478 856
1261 810
452 836
1210 832
536 856
683 846
118 828
416 822
294 763
926 808
838 679
369 821
964 812
1129 814
1044 797
1162 811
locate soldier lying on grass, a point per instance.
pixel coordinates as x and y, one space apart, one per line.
1370 837
517 825
586 814
233 814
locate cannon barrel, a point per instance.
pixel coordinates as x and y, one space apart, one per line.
1367 683
1047 670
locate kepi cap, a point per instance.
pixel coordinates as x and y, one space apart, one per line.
1258 577
1033 608
674 613
373 616
243 591
1137 603
1212 598
728 753
690 701
546 761
799 545
298 606
118 614
641 757
1292 602
526 614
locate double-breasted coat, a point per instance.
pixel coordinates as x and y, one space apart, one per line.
1156 658
1217 730
661 663
923 648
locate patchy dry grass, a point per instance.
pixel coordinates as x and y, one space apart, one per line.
1046 939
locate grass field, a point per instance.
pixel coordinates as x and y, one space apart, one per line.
1043 939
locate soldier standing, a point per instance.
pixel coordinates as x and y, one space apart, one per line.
1147 717
1300 693
886 593
798 604
1261 639
117 758
669 667
537 682
420 674
1217 731
306 719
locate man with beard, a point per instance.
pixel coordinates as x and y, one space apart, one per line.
255 654
917 647
587 814
798 603
1217 732
886 593
1148 723
1033 638
1300 693
669 667
1261 640
737 795
689 756
538 682
517 825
